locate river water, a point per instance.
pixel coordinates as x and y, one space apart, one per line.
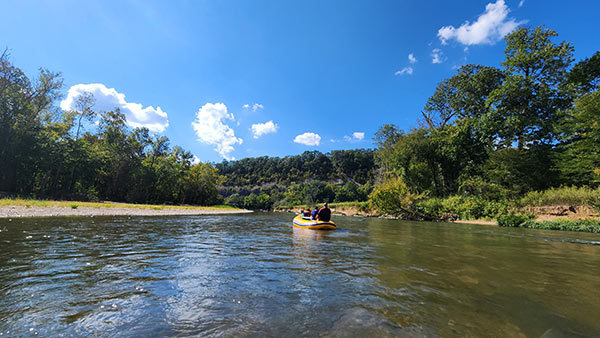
255 275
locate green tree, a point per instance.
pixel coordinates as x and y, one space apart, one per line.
578 159
200 185
462 97
524 108
393 197
585 75
23 108
235 200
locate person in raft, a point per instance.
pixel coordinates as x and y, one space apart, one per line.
324 213
306 214
314 213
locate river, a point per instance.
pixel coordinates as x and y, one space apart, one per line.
255 275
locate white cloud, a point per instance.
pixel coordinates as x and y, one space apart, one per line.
405 70
358 135
437 56
412 58
195 160
211 129
490 27
309 139
107 99
521 3
254 107
260 129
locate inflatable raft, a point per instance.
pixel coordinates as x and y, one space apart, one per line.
313 224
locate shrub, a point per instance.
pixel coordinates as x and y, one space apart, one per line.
563 195
511 220
565 225
478 187
235 200
460 207
393 197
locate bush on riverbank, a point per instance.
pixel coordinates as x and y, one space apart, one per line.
574 196
524 221
459 207
512 220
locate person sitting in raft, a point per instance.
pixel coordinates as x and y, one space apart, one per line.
306 214
324 213
314 213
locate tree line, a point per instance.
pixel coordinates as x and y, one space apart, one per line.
309 178
498 133
82 154
487 135
47 153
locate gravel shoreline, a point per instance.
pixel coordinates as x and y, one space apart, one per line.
14 211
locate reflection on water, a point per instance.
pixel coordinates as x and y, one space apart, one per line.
256 275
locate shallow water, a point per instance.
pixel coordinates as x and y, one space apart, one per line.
256 275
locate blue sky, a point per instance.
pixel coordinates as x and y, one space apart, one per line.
235 79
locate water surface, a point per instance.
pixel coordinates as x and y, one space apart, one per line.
255 275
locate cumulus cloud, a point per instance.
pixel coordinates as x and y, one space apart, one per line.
107 99
195 160
405 70
260 129
211 129
437 56
358 135
308 139
490 27
412 58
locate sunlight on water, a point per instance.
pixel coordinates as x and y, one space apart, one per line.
256 275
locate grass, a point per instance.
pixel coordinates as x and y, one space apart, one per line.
73 205
563 224
563 196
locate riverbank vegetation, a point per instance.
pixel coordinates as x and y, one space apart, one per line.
494 140
528 221
46 152
491 143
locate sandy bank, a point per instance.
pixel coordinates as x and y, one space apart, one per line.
480 222
14 211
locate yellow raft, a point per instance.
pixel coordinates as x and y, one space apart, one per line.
313 224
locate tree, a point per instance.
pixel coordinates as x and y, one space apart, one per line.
200 185
393 197
462 97
585 75
23 107
524 108
83 108
578 159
